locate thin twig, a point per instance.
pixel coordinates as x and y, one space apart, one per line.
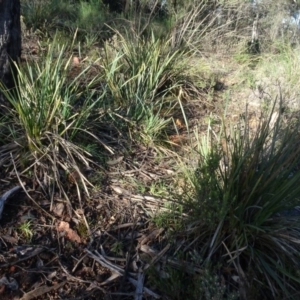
24 189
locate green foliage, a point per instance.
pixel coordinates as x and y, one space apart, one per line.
91 15
209 286
48 116
25 229
117 248
170 217
35 13
87 16
177 284
152 128
237 209
140 70
174 283
139 73
82 230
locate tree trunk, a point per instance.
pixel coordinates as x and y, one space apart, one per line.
10 40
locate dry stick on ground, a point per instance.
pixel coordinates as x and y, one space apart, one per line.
149 18
78 262
128 258
157 257
24 189
42 290
75 279
32 254
101 260
140 285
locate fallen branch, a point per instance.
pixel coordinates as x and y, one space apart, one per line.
5 196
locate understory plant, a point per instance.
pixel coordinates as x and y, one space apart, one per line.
240 203
88 17
48 115
144 77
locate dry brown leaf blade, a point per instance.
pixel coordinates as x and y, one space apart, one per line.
42 290
10 239
110 279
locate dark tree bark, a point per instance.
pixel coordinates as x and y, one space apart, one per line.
10 40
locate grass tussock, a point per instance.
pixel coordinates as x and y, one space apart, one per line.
40 135
240 205
144 79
